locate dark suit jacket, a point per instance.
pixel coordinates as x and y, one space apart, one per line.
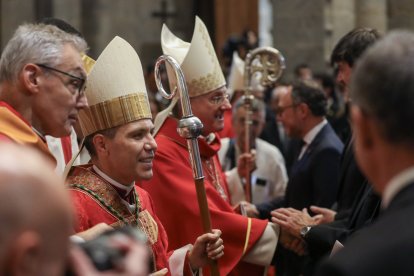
314 178
351 182
321 238
385 248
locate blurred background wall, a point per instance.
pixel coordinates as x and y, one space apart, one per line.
304 31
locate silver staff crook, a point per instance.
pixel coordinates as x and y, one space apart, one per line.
189 127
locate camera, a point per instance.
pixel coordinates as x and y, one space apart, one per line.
104 256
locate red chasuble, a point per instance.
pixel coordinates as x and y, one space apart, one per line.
90 210
173 191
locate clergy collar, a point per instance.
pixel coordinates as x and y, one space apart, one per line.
39 134
118 185
396 184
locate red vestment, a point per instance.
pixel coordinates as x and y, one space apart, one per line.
227 131
90 211
173 190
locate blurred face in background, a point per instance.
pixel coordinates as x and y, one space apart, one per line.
343 77
239 119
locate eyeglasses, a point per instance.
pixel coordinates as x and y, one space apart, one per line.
219 99
78 84
281 109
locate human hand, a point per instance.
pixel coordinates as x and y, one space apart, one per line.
246 163
207 247
94 232
323 215
161 272
249 209
292 220
292 243
135 260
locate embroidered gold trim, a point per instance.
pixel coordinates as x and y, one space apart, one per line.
249 229
114 112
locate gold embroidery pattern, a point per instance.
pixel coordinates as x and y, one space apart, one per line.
114 112
111 198
212 80
149 226
215 178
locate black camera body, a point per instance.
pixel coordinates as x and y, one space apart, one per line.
103 255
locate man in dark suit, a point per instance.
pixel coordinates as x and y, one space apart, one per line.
314 174
383 117
357 205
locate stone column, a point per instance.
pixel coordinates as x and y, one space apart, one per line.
401 14
68 10
339 20
299 33
265 23
371 13
10 19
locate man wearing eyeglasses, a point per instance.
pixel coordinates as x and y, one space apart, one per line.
313 178
42 81
249 243
270 177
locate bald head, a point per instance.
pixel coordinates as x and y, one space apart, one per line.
35 212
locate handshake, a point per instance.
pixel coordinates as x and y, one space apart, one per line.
295 224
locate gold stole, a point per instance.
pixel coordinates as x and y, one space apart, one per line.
92 185
20 132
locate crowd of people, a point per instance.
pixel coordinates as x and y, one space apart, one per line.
310 196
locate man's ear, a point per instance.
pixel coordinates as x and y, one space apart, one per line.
363 127
29 77
100 144
25 254
303 110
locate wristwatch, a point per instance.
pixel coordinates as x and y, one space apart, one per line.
304 230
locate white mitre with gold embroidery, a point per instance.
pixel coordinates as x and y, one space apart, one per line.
197 60
236 76
115 89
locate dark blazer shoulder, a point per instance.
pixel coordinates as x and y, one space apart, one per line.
327 138
385 247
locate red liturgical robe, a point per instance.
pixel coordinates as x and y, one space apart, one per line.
90 211
173 190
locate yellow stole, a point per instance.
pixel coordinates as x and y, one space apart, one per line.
20 132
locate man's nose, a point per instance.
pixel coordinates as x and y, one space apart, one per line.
82 101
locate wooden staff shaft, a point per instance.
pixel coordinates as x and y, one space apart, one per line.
205 216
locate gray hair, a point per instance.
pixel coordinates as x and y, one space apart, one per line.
383 86
35 43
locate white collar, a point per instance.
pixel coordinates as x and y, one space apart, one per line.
396 184
310 136
39 134
128 188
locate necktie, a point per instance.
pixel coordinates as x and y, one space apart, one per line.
302 148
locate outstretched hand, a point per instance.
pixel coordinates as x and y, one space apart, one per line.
292 220
206 248
323 215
